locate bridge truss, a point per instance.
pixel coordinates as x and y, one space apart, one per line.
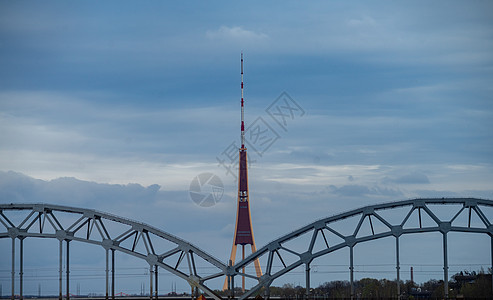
115 234
176 256
368 219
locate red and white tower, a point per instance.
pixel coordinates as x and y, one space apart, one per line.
243 229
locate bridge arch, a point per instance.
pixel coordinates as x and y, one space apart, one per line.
365 230
113 233
139 239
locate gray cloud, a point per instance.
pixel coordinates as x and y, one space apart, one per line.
16 187
411 178
151 204
355 190
350 190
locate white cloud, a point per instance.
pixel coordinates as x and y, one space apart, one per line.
107 169
362 22
235 33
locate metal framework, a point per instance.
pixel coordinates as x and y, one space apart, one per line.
113 233
116 234
319 231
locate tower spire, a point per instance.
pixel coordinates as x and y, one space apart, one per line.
242 108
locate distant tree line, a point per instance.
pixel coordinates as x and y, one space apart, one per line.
463 285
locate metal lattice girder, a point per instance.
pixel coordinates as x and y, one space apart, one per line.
112 232
140 240
366 219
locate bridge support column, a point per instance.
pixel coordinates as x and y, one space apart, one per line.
398 267
13 268
68 269
445 266
267 292
307 280
21 267
491 265
151 273
229 280
113 274
156 281
351 270
107 271
60 270
232 287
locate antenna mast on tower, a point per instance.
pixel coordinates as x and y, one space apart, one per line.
242 108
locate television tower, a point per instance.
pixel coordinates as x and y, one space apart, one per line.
243 228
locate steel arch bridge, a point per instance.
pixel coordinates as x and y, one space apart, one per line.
372 222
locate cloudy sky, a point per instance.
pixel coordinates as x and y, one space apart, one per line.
118 105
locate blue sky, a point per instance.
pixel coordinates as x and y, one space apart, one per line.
396 98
